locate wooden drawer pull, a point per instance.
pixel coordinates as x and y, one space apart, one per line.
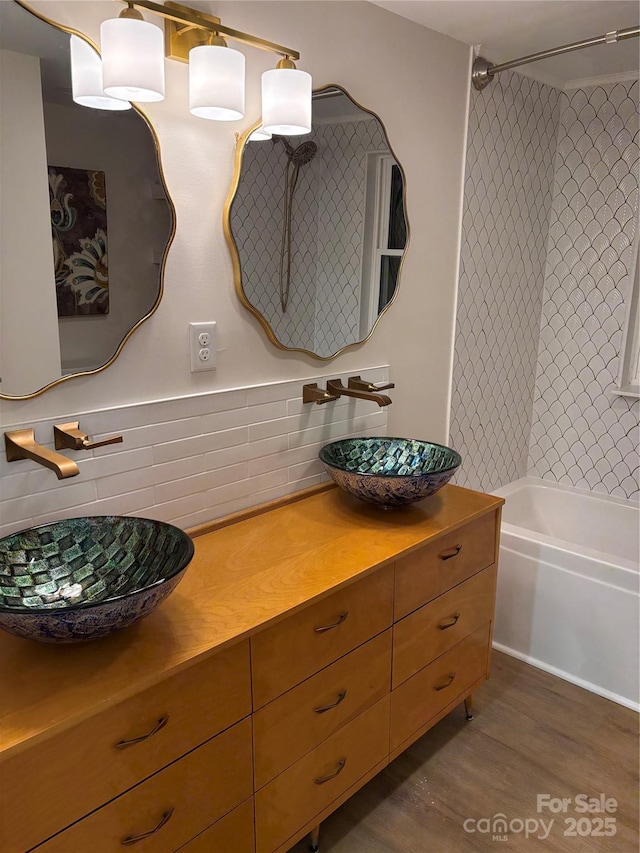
333 705
450 552
450 678
123 744
133 839
337 624
449 623
322 779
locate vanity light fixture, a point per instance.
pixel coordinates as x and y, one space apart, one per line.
133 66
86 78
216 81
286 100
259 135
132 57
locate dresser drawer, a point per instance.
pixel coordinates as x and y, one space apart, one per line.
428 632
428 692
305 789
296 722
448 561
294 649
188 797
62 779
233 832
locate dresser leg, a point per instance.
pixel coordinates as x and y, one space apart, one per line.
468 707
314 839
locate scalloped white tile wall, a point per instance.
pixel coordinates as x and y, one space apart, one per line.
341 230
507 200
581 434
566 299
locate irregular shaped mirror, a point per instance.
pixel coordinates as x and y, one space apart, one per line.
85 219
317 228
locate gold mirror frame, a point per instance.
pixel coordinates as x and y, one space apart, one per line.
172 213
241 142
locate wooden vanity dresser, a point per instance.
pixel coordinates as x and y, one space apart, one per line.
308 645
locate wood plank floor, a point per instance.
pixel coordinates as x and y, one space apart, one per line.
533 734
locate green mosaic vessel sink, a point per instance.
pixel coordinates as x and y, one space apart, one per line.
389 471
84 578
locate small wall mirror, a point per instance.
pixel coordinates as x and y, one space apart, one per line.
85 219
317 227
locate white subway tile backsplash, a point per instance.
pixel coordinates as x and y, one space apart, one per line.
305 469
334 430
268 429
114 463
200 444
274 392
172 509
189 460
200 404
243 416
153 475
123 504
266 495
146 436
244 452
242 488
202 482
16 526
51 501
283 458
17 485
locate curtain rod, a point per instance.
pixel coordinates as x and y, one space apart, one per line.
484 71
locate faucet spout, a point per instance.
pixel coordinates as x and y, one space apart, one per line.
335 386
21 444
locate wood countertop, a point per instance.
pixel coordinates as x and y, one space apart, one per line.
246 574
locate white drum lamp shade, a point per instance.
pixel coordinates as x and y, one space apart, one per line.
259 135
216 82
86 78
132 60
286 102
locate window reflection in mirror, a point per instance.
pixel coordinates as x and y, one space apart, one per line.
319 229
85 220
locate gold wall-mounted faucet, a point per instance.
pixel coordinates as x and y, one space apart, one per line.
362 385
69 436
335 386
21 444
312 394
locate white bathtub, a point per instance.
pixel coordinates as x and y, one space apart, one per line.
569 586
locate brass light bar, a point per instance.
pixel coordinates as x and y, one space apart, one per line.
180 39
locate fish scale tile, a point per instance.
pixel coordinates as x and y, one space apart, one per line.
508 181
548 228
323 314
593 222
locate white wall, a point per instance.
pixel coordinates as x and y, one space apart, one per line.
29 317
417 81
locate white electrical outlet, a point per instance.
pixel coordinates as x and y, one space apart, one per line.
202 346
